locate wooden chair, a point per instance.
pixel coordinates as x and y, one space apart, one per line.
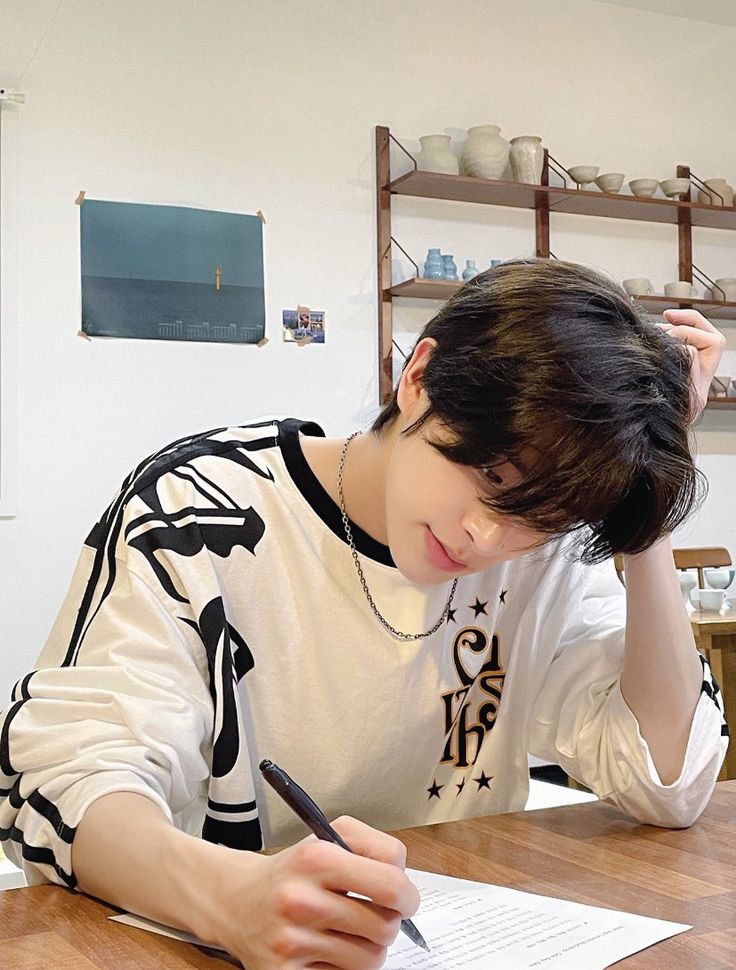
705 557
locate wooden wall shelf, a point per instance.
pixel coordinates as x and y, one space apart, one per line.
543 200
419 288
459 188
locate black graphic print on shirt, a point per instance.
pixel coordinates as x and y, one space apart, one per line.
467 719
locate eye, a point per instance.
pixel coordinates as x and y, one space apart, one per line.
491 475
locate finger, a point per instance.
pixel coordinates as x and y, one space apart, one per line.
700 339
385 884
370 842
300 947
690 318
361 917
344 950
301 905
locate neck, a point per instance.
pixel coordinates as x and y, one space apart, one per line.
364 478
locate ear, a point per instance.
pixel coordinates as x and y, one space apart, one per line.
410 393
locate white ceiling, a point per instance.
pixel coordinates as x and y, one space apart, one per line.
712 11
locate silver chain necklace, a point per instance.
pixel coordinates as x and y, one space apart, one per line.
349 535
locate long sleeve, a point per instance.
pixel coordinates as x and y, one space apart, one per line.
131 711
582 722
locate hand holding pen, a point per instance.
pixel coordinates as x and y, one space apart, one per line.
298 800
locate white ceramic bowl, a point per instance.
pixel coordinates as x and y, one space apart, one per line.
610 181
719 578
582 174
675 188
645 188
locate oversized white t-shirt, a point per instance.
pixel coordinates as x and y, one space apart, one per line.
215 619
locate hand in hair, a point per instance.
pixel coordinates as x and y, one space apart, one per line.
705 345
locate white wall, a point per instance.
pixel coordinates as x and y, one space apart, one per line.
243 106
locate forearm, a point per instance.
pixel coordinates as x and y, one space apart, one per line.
128 853
661 677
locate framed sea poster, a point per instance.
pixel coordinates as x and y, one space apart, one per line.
163 272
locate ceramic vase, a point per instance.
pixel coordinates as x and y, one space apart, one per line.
450 267
722 193
527 159
434 268
485 153
470 270
436 155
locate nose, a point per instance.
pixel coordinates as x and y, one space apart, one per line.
490 535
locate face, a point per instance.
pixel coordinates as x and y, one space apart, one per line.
437 524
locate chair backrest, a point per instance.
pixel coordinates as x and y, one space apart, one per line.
702 558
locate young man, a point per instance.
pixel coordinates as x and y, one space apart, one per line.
397 619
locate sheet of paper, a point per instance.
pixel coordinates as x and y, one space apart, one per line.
474 926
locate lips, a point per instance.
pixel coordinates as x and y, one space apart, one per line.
439 556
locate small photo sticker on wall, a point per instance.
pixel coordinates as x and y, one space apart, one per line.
303 326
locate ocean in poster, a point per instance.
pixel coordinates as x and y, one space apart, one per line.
166 310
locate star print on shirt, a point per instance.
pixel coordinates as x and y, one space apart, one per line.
451 616
459 786
502 597
484 781
479 607
434 791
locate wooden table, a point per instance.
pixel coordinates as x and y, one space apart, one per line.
715 635
588 853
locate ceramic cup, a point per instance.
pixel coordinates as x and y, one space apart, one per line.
708 599
719 385
719 578
725 289
638 286
645 188
680 290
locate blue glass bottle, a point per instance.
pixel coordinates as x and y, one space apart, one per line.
434 268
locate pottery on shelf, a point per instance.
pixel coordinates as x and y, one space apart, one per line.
680 290
470 270
719 386
724 289
434 268
722 193
644 188
449 267
610 182
527 159
485 153
583 174
675 188
436 155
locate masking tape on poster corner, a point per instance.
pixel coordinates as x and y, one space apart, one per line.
80 198
85 336
303 341
262 342
261 217
303 309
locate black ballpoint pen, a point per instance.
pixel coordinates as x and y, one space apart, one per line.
311 814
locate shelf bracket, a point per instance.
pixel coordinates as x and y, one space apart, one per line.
397 243
706 280
706 189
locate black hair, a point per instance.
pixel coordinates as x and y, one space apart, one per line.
555 357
